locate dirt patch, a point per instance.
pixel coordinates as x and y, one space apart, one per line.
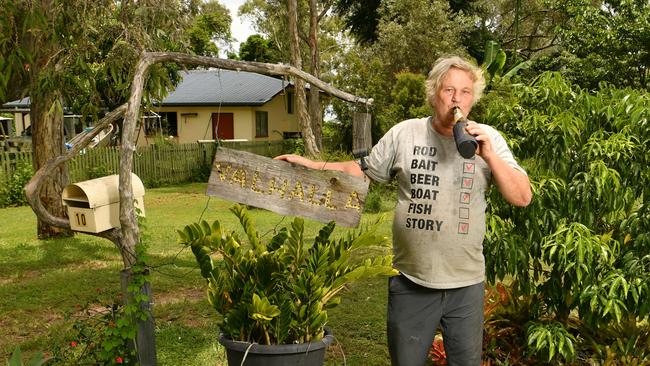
25 275
95 264
186 294
172 197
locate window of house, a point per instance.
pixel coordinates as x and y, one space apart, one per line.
290 102
5 128
169 123
261 124
165 125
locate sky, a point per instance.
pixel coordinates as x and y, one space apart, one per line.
240 28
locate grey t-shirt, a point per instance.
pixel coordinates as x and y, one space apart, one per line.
439 221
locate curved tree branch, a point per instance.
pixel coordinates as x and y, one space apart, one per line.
258 67
35 185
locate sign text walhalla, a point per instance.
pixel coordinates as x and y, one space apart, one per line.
287 189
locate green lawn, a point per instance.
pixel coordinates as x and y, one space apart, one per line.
43 282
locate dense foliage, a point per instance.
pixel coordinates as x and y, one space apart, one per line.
601 41
580 250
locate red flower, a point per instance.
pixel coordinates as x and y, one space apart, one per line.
119 360
73 344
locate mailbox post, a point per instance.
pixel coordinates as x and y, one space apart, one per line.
94 206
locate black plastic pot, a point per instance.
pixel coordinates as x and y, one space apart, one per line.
308 354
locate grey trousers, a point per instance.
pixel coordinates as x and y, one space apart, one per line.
414 313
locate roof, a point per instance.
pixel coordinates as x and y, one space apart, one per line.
224 87
20 103
213 87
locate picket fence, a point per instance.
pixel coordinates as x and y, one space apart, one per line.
156 165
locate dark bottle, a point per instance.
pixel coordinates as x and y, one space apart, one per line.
465 143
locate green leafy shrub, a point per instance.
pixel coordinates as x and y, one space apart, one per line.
373 201
100 336
12 193
381 197
201 173
580 249
278 292
99 171
551 340
293 146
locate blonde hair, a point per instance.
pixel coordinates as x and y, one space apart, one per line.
440 69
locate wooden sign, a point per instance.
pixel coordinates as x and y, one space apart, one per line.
287 189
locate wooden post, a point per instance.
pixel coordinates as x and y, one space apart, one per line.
145 341
361 137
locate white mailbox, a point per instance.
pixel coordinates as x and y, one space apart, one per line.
94 205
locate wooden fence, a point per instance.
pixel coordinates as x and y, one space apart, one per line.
155 164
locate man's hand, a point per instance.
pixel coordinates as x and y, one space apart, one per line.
296 159
349 167
484 143
513 185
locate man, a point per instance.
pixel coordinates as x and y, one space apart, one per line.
439 221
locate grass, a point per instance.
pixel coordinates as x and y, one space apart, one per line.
43 282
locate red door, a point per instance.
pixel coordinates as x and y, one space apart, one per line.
222 126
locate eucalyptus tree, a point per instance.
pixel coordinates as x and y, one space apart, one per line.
80 54
313 27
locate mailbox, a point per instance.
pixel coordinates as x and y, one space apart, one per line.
94 205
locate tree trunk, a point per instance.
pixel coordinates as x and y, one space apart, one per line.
47 142
315 113
311 149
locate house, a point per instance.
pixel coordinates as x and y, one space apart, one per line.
72 123
210 104
6 127
224 104
20 110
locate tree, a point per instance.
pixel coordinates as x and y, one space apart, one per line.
35 36
406 43
211 25
602 41
414 33
312 27
269 18
257 48
81 55
311 147
361 18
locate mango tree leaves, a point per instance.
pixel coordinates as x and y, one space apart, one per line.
580 249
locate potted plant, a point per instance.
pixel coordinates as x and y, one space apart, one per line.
272 297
